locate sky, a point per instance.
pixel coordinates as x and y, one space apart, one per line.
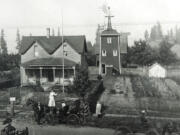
81 17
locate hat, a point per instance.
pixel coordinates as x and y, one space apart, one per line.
7 121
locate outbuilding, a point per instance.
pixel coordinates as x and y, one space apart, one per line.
156 70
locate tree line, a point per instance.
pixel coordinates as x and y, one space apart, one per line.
8 61
144 55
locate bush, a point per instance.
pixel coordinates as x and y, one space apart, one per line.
94 96
112 91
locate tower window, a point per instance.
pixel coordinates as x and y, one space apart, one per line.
109 40
114 52
103 52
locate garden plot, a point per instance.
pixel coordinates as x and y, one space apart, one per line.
130 94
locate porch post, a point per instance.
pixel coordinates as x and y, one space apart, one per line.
40 74
54 73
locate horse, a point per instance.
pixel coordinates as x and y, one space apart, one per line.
44 113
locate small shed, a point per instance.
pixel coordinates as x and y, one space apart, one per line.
156 70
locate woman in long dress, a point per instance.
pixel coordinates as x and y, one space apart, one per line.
52 103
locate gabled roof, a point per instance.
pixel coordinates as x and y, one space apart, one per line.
156 64
48 62
52 43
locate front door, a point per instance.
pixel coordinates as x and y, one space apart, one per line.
50 75
104 69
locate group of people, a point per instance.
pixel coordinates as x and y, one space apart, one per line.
52 109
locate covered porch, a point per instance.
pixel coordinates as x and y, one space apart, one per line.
48 72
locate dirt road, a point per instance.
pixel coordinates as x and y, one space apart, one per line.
61 130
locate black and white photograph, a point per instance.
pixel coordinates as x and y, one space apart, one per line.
89 67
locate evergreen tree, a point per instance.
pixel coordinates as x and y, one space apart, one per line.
153 33
146 35
58 31
171 33
3 43
166 56
18 40
53 32
159 31
156 32
81 83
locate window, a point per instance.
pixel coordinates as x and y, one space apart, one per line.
103 52
36 53
114 52
109 40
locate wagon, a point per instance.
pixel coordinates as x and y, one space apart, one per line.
74 112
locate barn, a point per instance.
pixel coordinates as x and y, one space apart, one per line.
156 70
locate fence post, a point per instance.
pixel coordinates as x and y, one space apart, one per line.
12 100
12 108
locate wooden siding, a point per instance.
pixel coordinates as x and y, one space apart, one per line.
29 55
71 53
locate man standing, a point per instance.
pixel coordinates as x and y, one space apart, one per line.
39 111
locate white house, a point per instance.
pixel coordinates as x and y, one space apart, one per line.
156 70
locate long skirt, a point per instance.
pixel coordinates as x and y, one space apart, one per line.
51 103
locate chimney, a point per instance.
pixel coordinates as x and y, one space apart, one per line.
48 32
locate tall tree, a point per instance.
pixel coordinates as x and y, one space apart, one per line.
53 32
156 32
3 43
81 83
153 33
171 33
159 31
58 31
141 53
18 40
166 56
146 35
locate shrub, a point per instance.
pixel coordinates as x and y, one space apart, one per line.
112 91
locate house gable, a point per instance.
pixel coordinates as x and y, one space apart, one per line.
70 53
30 53
157 70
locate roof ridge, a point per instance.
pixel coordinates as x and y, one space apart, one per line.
57 36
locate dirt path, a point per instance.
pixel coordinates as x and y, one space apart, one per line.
136 116
60 129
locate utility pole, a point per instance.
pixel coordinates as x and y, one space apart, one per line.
63 53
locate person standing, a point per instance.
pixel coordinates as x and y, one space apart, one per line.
39 112
98 109
52 103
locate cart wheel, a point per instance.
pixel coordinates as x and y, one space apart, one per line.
152 132
73 119
122 131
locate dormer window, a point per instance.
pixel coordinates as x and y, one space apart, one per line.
103 52
109 40
36 53
114 52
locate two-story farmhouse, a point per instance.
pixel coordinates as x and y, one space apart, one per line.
42 58
112 46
